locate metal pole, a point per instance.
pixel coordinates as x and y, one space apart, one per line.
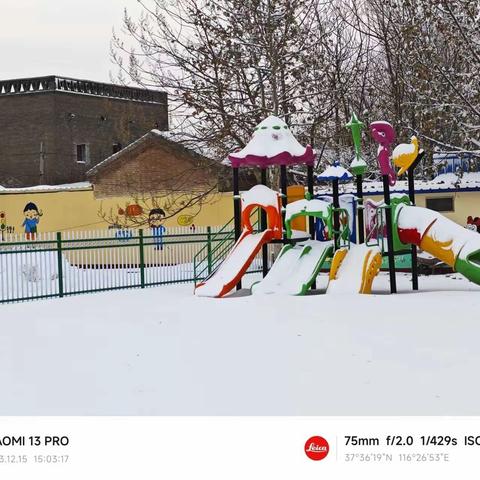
142 258
360 210
263 221
411 194
391 253
283 187
336 216
311 221
237 211
60 264
209 249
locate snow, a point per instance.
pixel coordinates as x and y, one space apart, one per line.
237 259
271 138
403 149
442 182
452 179
358 162
439 228
294 269
48 188
349 276
188 140
308 206
162 351
299 234
30 273
333 172
381 123
261 195
445 178
285 263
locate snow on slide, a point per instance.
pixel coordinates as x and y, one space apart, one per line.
442 238
234 266
350 276
295 268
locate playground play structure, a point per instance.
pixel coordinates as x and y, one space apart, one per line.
336 235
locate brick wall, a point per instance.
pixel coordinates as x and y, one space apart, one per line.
155 166
39 131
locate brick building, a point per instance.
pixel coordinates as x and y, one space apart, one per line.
53 130
156 162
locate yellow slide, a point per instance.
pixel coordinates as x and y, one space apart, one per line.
353 270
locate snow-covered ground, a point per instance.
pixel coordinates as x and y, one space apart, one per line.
163 351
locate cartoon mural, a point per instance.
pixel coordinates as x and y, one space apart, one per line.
155 220
32 217
185 220
4 226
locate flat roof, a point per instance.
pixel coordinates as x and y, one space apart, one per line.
54 83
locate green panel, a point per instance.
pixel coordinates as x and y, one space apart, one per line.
470 267
394 204
327 253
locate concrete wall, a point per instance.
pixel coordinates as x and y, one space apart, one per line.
465 204
80 210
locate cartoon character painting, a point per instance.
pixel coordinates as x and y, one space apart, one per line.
155 220
32 216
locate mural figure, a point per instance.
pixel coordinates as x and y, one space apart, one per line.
32 216
155 219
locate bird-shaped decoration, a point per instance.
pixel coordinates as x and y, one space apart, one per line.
405 154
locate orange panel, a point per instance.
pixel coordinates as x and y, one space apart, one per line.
294 193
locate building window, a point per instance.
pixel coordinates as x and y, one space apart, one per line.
116 147
440 204
82 153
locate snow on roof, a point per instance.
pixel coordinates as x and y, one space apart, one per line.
272 143
48 188
189 141
180 139
307 206
335 172
261 195
443 182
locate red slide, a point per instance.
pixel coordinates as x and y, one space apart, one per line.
224 279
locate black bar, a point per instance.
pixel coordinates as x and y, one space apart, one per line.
391 253
237 211
411 194
263 222
311 220
283 188
360 210
336 214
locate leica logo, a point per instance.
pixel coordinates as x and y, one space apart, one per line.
316 448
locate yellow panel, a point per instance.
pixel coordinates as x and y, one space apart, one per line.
440 250
336 262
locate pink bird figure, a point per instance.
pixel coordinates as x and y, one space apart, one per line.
384 134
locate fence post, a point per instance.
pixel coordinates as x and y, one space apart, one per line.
209 249
60 264
142 258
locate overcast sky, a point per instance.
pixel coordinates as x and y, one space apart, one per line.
66 38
